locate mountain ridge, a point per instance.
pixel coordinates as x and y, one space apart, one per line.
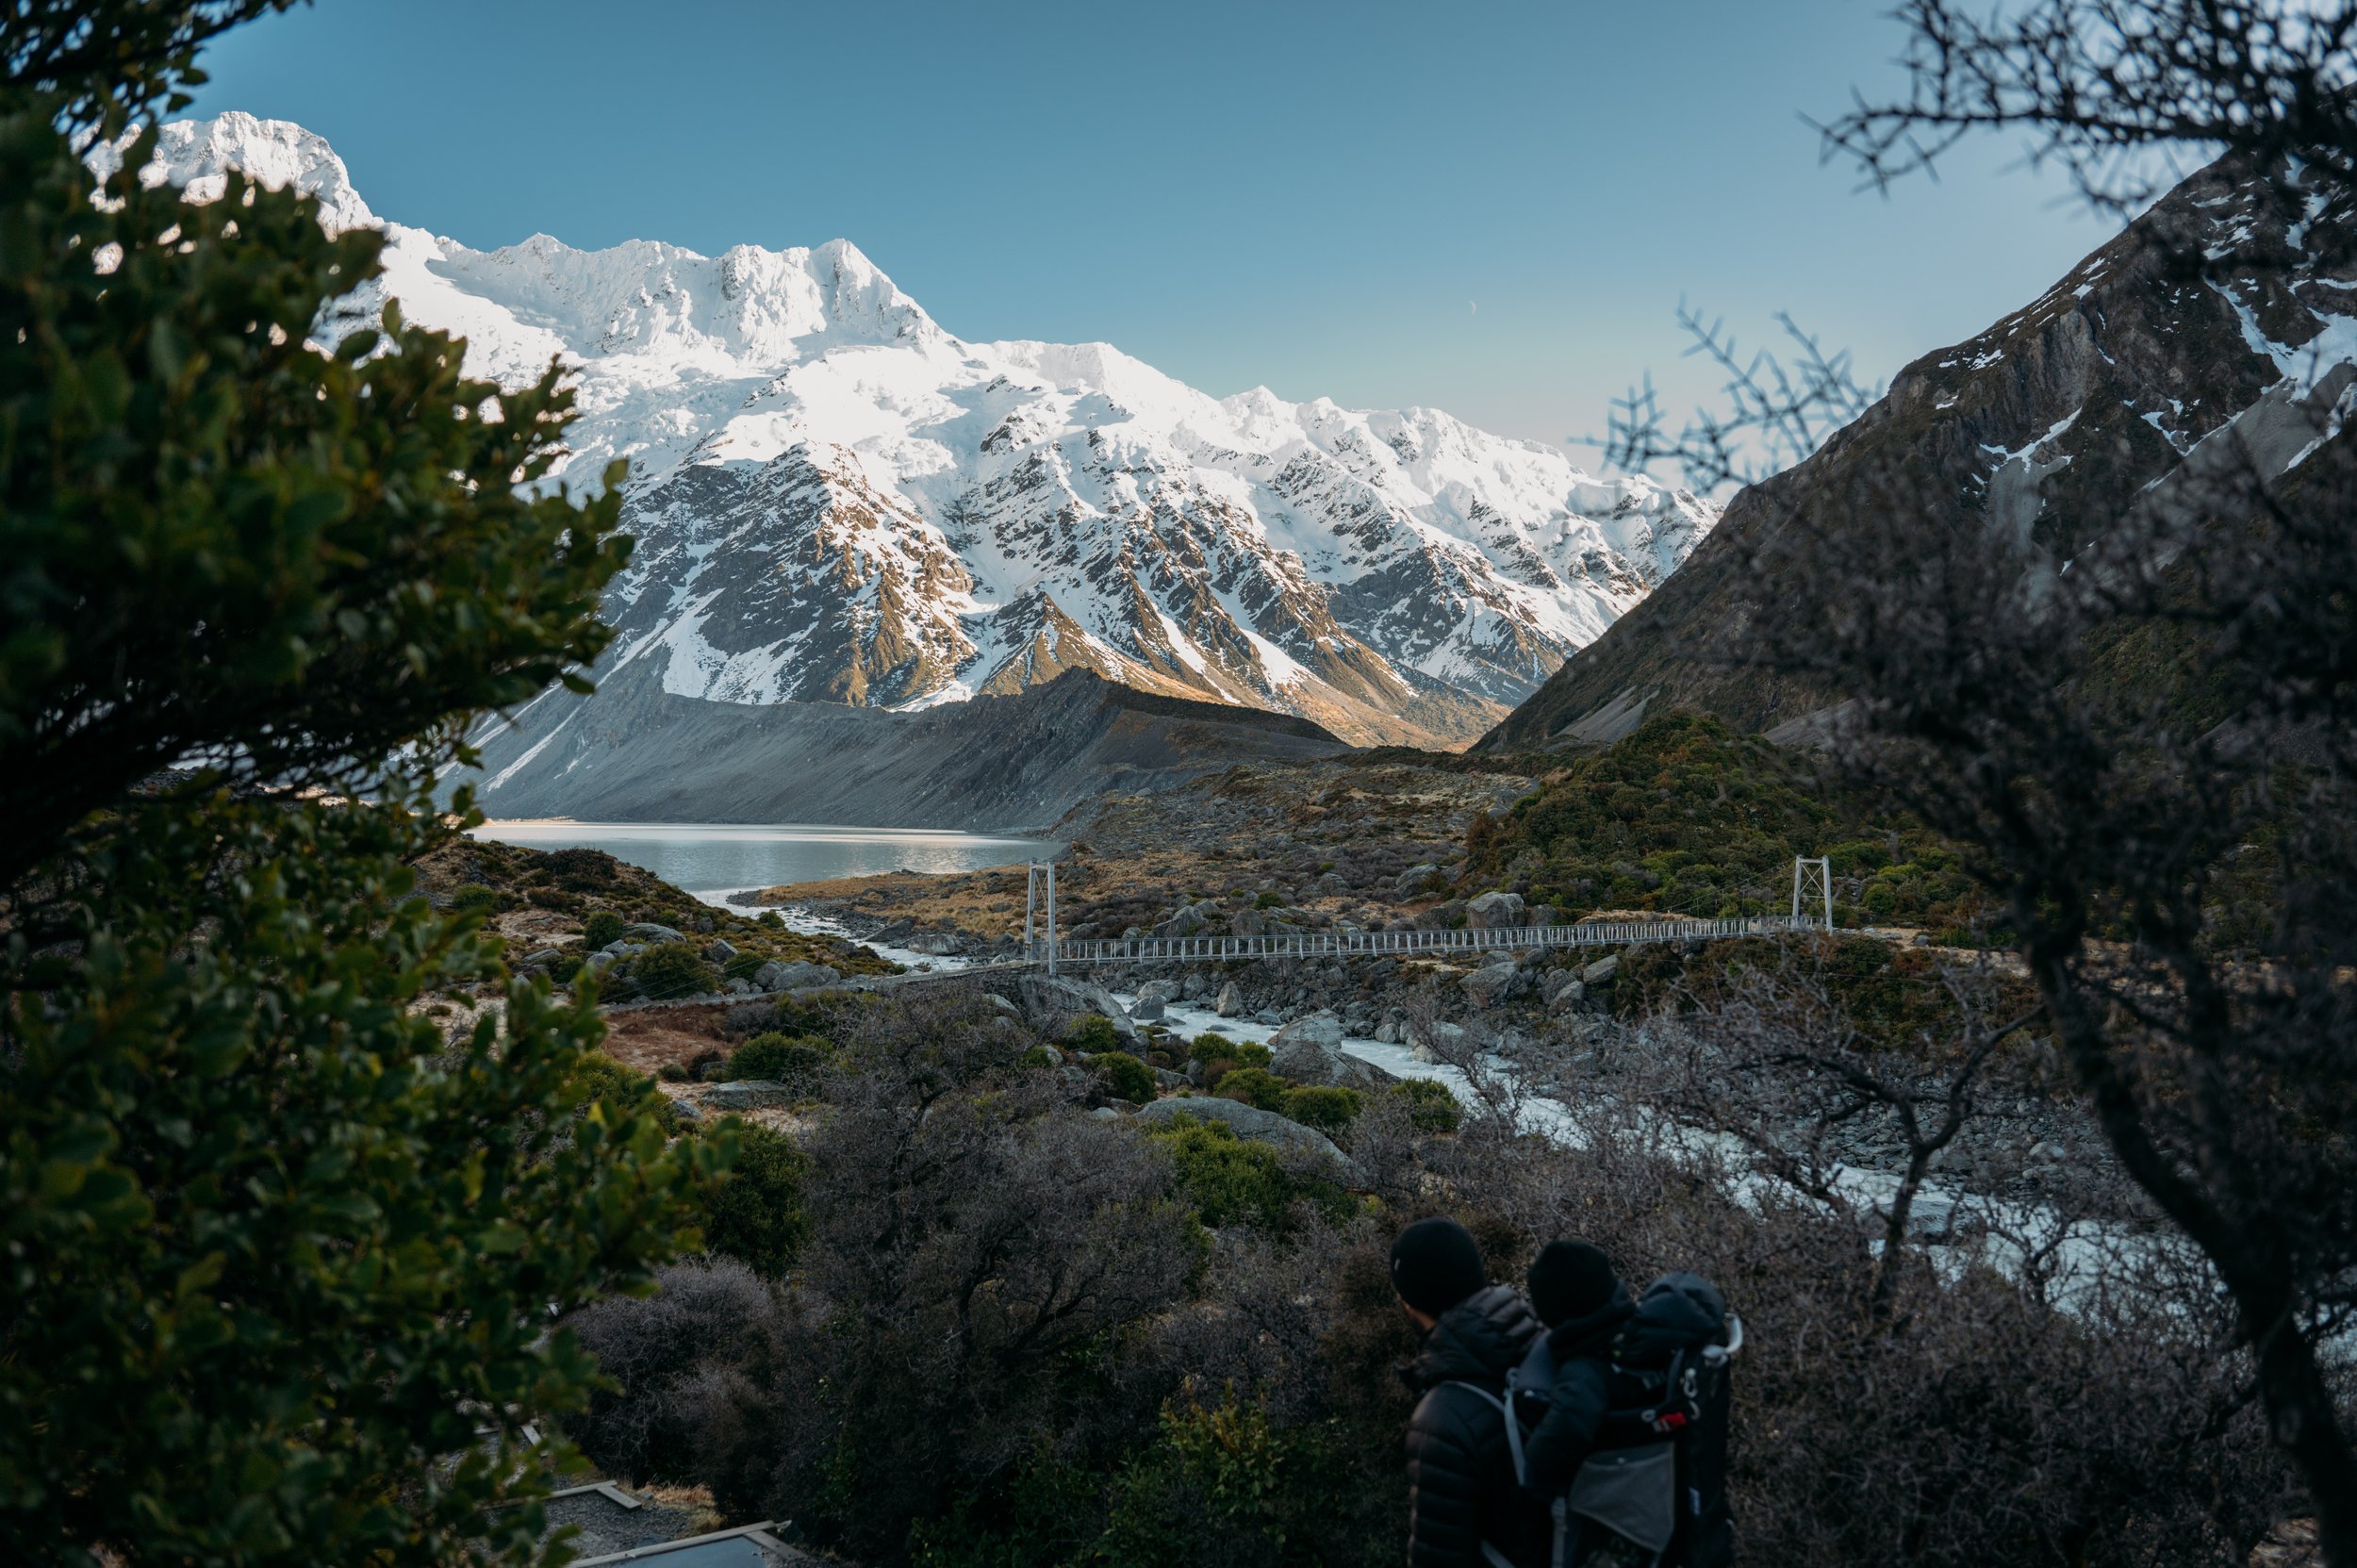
838 500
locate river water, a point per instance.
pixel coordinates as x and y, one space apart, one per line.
712 860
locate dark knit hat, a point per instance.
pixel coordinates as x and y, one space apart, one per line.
1569 1280
1435 1264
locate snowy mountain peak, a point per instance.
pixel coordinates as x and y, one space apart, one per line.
198 155
837 500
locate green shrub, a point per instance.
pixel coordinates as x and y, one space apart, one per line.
1092 1032
1329 1109
771 919
1039 1056
1431 1106
1229 1473
1271 900
1124 1076
781 1058
671 1072
671 970
598 1079
475 898
601 930
742 966
1210 1048
754 1214
1229 1181
1255 1086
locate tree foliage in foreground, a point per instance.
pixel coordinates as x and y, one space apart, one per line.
277 1259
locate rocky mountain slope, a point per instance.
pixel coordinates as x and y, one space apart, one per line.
2052 421
636 753
838 501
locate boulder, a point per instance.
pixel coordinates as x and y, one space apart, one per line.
1162 991
1310 1050
778 975
894 932
940 943
1568 992
1190 919
719 950
748 1094
1289 1138
1049 1001
1147 1010
1494 911
1230 1002
1248 922
597 961
739 988
1169 1080
1415 882
1493 984
647 931
542 959
1602 969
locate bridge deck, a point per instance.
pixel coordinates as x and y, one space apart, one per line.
1368 944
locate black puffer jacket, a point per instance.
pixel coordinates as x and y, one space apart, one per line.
1573 1366
1461 1477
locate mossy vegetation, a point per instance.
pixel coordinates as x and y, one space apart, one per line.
1688 818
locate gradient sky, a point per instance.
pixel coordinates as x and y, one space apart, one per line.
1492 209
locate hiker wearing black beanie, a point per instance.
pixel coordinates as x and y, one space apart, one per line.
1583 1304
1462 1491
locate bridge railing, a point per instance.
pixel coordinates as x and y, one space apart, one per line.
1355 944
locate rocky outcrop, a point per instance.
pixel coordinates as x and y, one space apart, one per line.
2210 309
1310 1050
1305 1144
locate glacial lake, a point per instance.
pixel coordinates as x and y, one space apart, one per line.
713 859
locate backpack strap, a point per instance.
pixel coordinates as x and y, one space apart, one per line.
1505 1407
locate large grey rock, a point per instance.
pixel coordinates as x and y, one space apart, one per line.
748 1094
1050 1001
1602 969
1415 882
1230 1002
940 943
1564 988
1306 1143
597 961
1494 911
542 959
1248 922
1162 991
719 950
894 931
778 975
1190 919
1310 1050
1147 1010
1493 983
648 931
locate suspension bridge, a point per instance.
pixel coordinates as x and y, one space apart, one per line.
1812 911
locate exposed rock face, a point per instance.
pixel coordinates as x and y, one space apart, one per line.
750 1094
1310 1050
1052 1002
1231 1001
1496 983
1494 911
777 975
2047 426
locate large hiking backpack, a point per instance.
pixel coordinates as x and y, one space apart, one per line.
1654 1486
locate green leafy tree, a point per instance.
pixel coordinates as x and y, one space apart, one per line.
276 1257
754 1214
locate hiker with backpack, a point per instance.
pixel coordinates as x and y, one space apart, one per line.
1616 1416
1465 1509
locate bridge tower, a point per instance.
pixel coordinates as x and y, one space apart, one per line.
1032 902
1811 881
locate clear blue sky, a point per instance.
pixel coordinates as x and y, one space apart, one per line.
1489 208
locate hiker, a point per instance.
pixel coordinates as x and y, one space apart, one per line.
1621 1414
1582 1304
1465 1510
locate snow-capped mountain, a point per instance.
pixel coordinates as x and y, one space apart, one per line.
837 500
